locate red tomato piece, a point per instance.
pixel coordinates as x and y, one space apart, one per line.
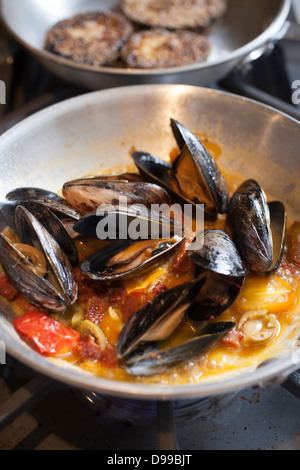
109 357
7 290
50 337
233 338
133 302
96 309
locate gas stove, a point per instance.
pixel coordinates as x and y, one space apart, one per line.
37 413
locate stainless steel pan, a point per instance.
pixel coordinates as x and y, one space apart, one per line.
97 130
248 27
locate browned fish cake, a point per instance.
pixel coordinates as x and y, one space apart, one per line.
156 48
175 14
91 38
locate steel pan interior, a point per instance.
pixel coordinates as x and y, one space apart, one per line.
248 26
97 130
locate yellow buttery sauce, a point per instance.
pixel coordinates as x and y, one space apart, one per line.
223 358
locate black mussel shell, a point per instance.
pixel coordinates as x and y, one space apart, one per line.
152 168
199 163
50 199
167 306
59 289
32 232
159 172
216 296
249 222
186 179
27 280
46 217
131 223
154 361
218 254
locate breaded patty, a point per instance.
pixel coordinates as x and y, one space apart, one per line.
175 14
91 38
155 48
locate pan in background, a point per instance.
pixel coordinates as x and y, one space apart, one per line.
249 26
98 130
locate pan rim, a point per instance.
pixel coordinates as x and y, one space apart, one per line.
276 370
266 36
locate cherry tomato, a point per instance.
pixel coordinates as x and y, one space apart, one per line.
50 337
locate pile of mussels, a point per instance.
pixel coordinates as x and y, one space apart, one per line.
46 221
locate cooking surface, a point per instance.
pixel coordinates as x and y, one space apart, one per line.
64 418
254 419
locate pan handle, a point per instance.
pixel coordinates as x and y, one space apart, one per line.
290 31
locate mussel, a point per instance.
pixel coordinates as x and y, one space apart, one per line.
44 204
158 319
193 178
87 194
250 223
53 201
46 217
54 292
218 254
153 361
134 223
195 164
124 260
217 295
221 265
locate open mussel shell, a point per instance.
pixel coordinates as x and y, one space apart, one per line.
124 260
27 279
249 222
153 169
218 254
60 288
132 223
158 319
67 214
50 199
155 361
87 194
216 296
220 263
159 172
47 218
195 165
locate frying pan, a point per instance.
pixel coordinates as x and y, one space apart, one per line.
248 27
96 131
